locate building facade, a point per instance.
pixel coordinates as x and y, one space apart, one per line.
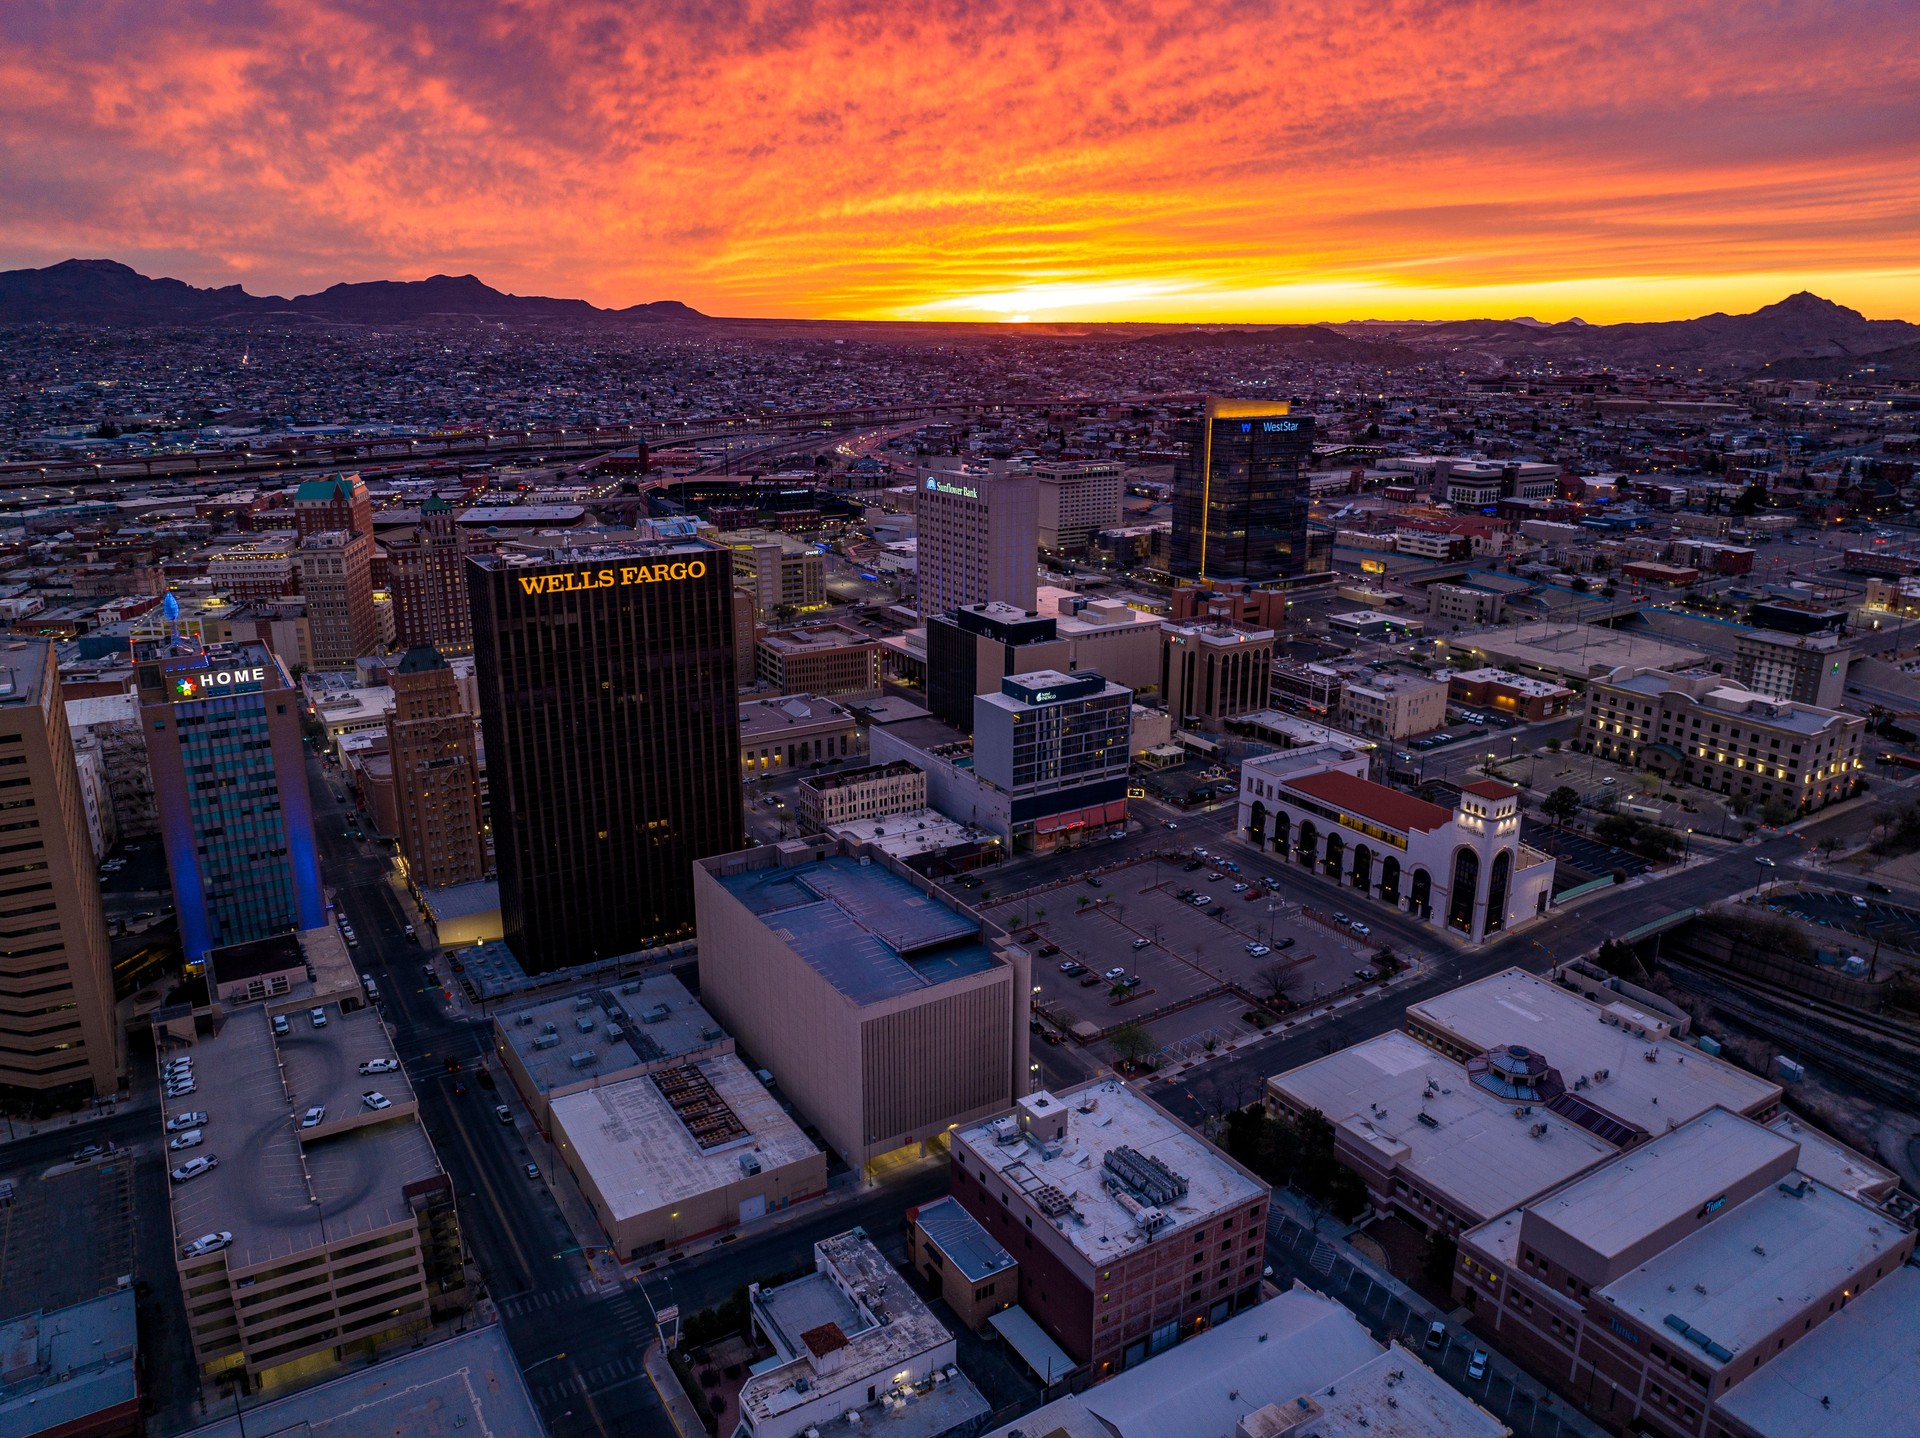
874 792
230 786
1394 705
324 505
1808 669
977 538
1077 499
606 680
336 576
785 576
1463 604
427 576
1211 672
60 1041
796 731
1240 494
1504 692
1702 729
970 650
436 773
1058 745
821 659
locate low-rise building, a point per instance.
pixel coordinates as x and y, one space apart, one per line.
1667 576
976 1275
1212 671
1504 692
1393 704
1463 868
873 792
1705 730
684 1150
884 1013
854 1342
73 1372
819 659
1107 1201
1373 624
1463 604
785 576
794 731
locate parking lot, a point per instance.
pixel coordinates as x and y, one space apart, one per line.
1590 857
1135 925
1872 918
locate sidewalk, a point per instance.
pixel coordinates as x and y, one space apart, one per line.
19 1130
1288 1210
673 1397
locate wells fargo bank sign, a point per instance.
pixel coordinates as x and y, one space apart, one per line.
576 580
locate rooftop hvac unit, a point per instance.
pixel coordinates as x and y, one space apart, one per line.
1428 1119
711 1034
547 1041
583 1059
615 1033
523 1020
583 1001
585 1025
655 1014
632 988
549 1028
1539 1130
749 1165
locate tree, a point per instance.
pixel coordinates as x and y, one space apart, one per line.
1437 1257
1619 959
1131 1042
1553 746
1274 983
1562 804
1386 962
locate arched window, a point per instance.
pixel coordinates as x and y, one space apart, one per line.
1362 867
1336 854
1420 901
1497 890
1257 824
1280 832
1465 889
1309 842
1390 880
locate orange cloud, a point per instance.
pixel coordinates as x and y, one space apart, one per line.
1149 158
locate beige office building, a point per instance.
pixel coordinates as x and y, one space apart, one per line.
1210 672
60 1041
1393 706
820 659
870 793
977 538
1077 499
885 1015
785 576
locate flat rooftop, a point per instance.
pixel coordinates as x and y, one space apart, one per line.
1398 1396
1417 1112
1101 1117
762 717
959 1236
1613 1208
463 1387
1579 650
62 1366
277 1195
642 1156
1828 1161
1738 1278
1679 1083
624 1027
869 933
1859 1372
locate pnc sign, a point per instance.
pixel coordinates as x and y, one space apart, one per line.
215 681
574 581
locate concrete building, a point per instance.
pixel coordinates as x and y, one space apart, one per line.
1562 652
1659 1285
344 1231
108 726
1057 746
1462 604
685 1150
1210 672
1391 704
73 1372
1462 868
1374 625
1501 691
978 538
969 651
1806 668
827 801
1315 688
337 583
947 1246
433 752
1077 499
820 659
267 567
223 736
1106 1201
856 1348
60 1041
427 576
886 1016
794 731
1107 637
602 1036
1798 616
785 576
322 506
1705 730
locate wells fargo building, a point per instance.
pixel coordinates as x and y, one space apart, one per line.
606 680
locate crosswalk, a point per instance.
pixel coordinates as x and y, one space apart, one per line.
601 1378
521 1304
1321 1261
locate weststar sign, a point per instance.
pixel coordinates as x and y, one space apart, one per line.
578 579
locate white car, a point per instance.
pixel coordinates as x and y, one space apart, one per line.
1362 929
207 1243
1200 901
376 1100
280 1025
380 1066
318 1017
1608 780
314 1116
1258 951
192 1138
1241 888
180 1090
194 1167
182 1121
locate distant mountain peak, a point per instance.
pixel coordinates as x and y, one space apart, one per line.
1806 303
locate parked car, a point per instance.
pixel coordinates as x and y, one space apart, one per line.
180 1090
1258 951
1067 966
1284 944
1477 1365
1200 901
1241 888
1216 876
314 1116
1095 883
1141 943
1113 975
1858 902
1362 929
1047 951
280 1025
192 1138
1131 981
1090 980
376 1100
182 1121
88 1153
1436 1334
207 1243
317 1017
194 1167
1338 917
533 1171
380 1066
503 1113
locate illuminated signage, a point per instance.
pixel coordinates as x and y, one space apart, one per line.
575 580
1373 566
940 486
1711 1207
1279 426
215 681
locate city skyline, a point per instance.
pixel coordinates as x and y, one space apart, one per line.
988 163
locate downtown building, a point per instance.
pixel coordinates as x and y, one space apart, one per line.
1077 499
427 576
59 1036
1241 496
436 773
607 705
222 726
977 538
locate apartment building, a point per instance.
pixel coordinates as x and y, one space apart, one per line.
1392 705
336 578
1076 499
1806 668
830 800
1131 1232
820 659
1707 731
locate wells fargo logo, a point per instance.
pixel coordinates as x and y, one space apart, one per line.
579 579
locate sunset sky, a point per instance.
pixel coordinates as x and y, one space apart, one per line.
1634 159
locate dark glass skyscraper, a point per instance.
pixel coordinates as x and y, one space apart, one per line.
606 680
1241 494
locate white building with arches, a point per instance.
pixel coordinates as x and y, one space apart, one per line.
1462 869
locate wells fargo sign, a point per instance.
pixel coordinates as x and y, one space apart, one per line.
578 579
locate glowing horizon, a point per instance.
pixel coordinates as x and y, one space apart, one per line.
1000 161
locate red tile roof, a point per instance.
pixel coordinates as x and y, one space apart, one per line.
1369 800
1489 789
